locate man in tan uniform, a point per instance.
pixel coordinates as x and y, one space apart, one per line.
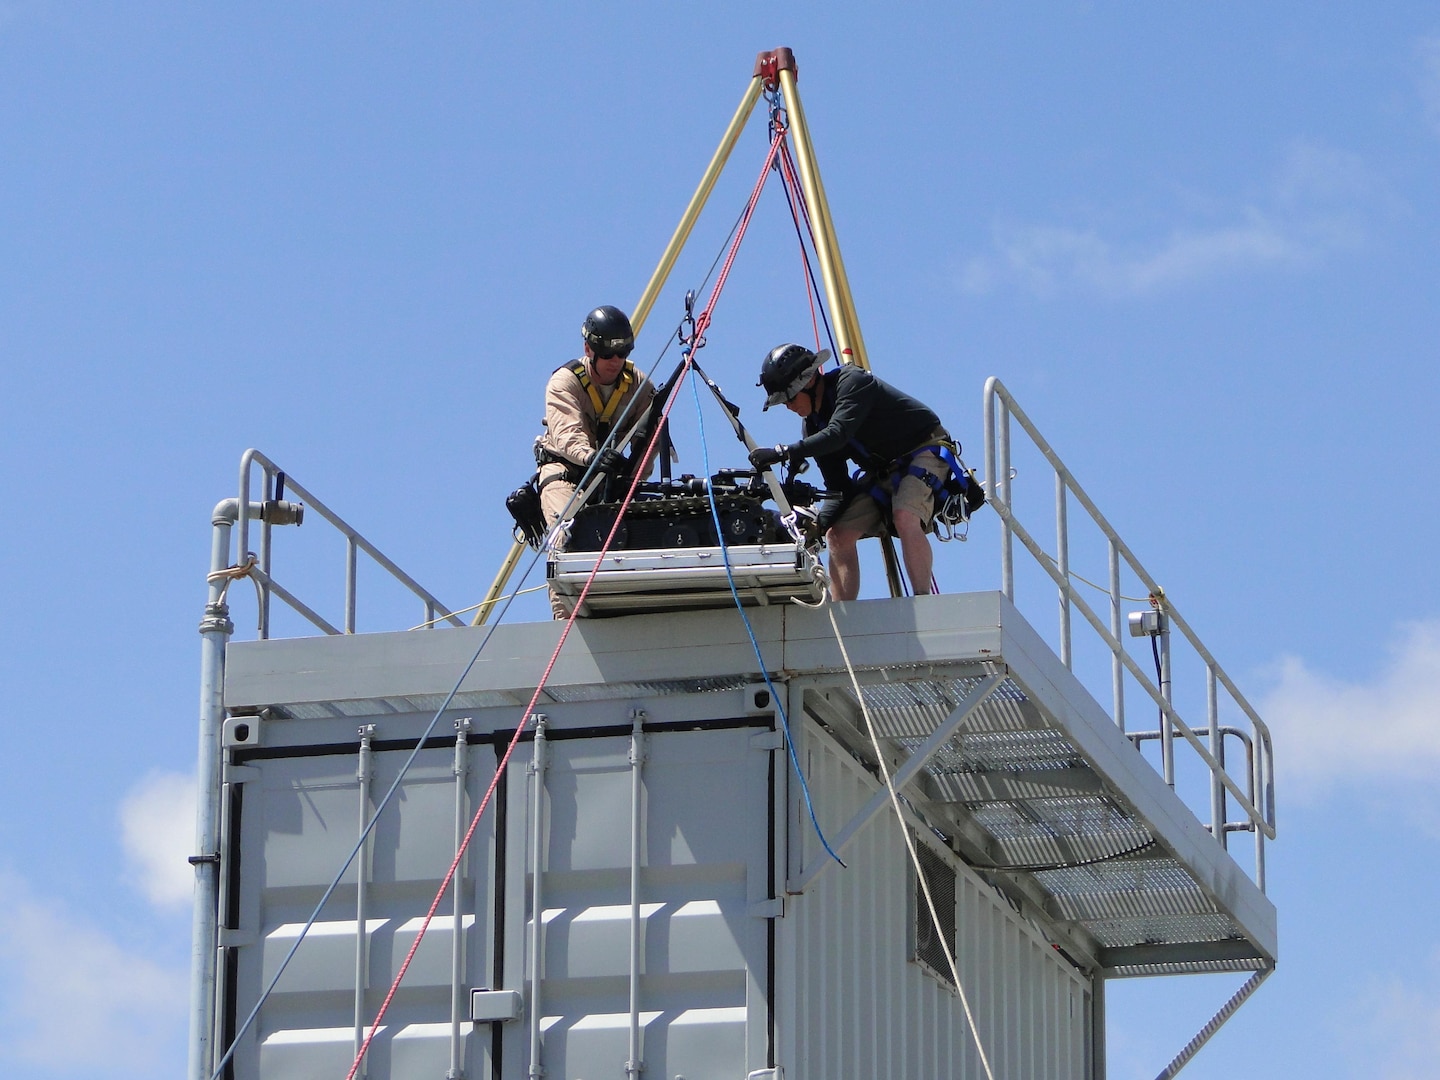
584 400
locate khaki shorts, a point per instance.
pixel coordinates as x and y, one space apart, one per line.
913 494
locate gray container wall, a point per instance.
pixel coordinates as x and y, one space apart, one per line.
707 871
722 819
854 1003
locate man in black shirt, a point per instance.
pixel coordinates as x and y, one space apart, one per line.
849 415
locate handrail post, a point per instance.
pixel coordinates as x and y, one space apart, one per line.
1062 548
350 551
1117 667
1217 749
1167 725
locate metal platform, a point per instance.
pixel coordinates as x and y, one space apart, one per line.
996 746
669 579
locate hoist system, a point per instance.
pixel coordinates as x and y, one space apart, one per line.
659 577
1040 852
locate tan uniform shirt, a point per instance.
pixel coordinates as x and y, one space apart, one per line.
572 424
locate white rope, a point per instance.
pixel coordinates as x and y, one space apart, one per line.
466 610
910 846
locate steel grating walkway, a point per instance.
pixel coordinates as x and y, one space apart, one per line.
1043 813
1036 788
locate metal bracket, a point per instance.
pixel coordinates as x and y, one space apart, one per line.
495 1006
230 936
238 774
900 777
774 908
1216 1022
767 740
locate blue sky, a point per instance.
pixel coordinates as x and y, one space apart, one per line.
1199 242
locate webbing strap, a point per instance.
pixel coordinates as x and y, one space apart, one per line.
605 411
904 466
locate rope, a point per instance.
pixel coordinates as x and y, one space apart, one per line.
754 644
234 573
796 198
515 739
910 846
365 833
507 596
1098 588
792 196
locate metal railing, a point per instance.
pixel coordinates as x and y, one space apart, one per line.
275 483
1254 794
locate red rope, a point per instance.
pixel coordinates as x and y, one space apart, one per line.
701 323
515 739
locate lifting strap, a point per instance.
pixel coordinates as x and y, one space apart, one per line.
605 411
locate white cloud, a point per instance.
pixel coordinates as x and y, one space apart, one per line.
157 823
74 999
1399 1030
1343 725
1317 204
1428 82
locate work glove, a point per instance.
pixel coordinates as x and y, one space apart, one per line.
762 457
610 461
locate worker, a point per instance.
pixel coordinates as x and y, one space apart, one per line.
848 414
584 401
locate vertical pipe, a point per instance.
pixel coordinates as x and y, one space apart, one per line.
1117 666
224 957
1097 1067
215 631
537 905
634 1064
350 584
1217 751
1062 547
461 770
364 771
267 488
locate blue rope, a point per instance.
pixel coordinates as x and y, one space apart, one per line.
730 576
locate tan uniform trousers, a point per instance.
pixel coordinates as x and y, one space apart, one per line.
554 497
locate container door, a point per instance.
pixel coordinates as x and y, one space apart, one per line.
705 886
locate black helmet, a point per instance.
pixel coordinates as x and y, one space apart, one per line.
607 331
787 370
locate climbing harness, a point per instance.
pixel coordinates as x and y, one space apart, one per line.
604 410
956 497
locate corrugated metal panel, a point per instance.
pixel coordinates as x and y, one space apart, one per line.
705 844
862 1007
704 864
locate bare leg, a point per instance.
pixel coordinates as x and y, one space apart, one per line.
915 548
844 563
